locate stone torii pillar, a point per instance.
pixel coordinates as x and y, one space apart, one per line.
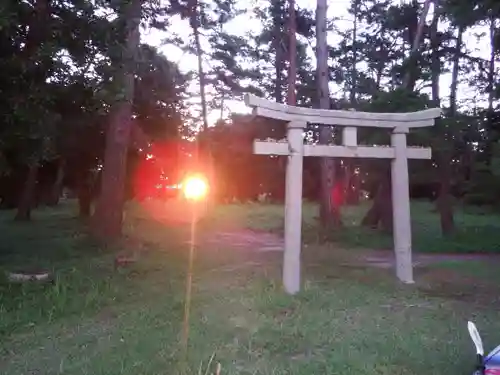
293 211
401 218
398 152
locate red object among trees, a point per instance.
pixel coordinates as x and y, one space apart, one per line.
337 195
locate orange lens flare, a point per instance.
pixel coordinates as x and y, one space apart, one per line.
195 188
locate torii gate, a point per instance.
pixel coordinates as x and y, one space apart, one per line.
294 148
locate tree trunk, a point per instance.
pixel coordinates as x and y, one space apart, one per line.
380 214
348 163
444 201
278 51
194 21
354 70
454 73
292 55
85 190
108 216
84 201
347 180
279 65
292 67
351 182
355 188
408 84
329 211
411 73
26 200
380 64
492 135
386 201
56 190
37 32
491 64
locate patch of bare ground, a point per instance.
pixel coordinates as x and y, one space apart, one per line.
452 284
433 279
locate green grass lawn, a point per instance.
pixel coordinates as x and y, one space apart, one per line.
94 319
476 230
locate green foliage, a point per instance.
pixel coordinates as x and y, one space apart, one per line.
56 98
58 77
483 190
398 100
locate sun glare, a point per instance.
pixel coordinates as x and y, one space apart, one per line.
195 188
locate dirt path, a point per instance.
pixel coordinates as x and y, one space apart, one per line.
260 241
246 240
385 259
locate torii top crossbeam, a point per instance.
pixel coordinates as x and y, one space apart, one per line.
269 109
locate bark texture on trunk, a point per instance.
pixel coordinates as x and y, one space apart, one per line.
279 63
351 183
445 201
292 55
329 212
493 136
416 32
84 202
85 190
354 70
379 216
348 163
109 210
202 153
26 200
353 193
56 190
194 21
444 159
